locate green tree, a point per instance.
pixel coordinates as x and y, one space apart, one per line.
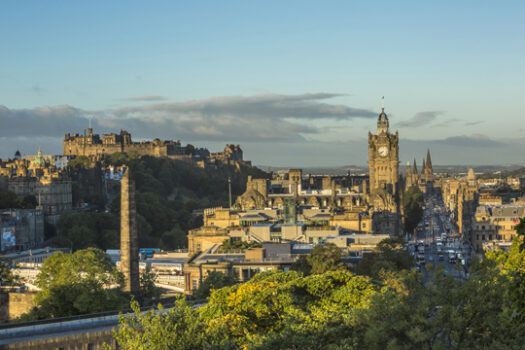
78 283
80 162
214 280
190 149
9 200
147 285
29 202
413 208
520 230
325 258
6 275
180 327
388 258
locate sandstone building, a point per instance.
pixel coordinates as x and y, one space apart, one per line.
91 144
50 186
293 207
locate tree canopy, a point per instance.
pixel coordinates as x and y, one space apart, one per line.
341 310
412 206
321 259
72 284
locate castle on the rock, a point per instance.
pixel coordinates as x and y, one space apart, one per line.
93 145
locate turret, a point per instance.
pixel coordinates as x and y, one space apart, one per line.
382 120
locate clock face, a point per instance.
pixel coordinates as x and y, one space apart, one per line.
383 151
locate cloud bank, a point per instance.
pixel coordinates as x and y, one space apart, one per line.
266 117
272 129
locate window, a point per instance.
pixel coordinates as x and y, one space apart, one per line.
194 284
490 237
483 237
198 246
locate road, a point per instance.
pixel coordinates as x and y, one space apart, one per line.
435 222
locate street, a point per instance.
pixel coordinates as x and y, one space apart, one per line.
441 241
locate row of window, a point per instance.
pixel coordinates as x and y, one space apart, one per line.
483 237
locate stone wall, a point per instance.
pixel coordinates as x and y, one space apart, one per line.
92 340
15 304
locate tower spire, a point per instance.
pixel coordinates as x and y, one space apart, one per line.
415 167
383 103
429 161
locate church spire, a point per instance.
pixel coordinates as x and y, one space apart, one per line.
415 167
429 161
424 167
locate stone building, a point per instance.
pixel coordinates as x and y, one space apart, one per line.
21 229
493 225
241 264
384 178
318 191
461 198
426 180
383 158
50 186
358 203
91 144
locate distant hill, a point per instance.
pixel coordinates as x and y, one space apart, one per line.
511 169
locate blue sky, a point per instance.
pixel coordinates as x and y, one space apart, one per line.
296 83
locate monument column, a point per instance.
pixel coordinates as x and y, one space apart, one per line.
129 251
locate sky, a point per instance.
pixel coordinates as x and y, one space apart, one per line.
295 83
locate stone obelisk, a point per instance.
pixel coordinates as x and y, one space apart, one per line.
129 250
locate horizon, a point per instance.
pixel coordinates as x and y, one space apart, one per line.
291 84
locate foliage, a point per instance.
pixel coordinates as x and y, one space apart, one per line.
6 275
147 285
82 297
177 328
412 205
263 313
520 230
167 192
214 280
229 245
341 310
388 258
73 284
190 149
10 200
80 162
89 229
321 259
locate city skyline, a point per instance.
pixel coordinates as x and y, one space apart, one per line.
297 85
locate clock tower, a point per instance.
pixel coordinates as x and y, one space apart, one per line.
383 158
